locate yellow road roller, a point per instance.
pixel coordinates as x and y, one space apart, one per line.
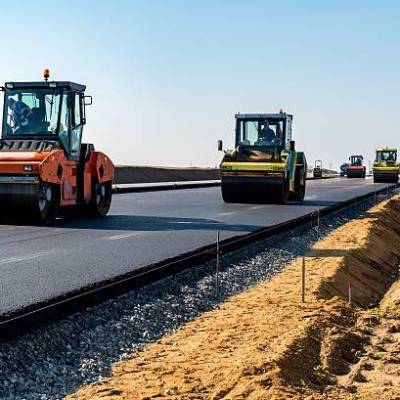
264 166
385 168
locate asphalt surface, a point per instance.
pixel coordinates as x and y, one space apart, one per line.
38 263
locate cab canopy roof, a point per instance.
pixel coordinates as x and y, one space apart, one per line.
46 85
263 116
386 149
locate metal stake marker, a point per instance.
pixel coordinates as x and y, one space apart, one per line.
217 267
303 280
318 224
349 291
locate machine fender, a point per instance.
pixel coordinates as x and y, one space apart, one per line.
51 168
102 168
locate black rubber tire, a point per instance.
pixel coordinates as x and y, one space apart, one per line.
101 199
283 196
300 187
300 192
48 203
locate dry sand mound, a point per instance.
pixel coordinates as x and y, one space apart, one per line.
265 344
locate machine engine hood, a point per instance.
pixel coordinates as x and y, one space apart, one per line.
23 156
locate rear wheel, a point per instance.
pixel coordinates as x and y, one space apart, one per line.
48 203
101 198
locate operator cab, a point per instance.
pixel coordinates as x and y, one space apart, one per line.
263 130
262 137
318 164
39 116
356 160
387 155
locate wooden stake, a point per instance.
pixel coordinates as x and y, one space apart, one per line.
217 267
349 291
303 280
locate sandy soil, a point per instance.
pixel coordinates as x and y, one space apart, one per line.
266 344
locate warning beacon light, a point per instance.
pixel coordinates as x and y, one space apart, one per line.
46 74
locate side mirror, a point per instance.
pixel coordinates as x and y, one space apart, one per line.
292 143
219 145
88 100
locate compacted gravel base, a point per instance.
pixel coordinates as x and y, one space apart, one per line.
55 360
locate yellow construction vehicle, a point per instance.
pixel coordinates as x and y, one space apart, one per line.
385 168
264 166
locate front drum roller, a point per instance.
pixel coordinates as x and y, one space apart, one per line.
39 201
255 191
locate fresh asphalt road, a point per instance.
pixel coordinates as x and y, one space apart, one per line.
38 263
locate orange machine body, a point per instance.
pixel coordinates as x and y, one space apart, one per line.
54 167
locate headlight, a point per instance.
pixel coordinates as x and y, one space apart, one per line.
28 168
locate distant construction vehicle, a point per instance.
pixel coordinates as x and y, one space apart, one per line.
264 166
44 166
385 167
317 171
356 169
343 169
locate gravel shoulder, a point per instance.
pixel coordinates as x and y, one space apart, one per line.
265 343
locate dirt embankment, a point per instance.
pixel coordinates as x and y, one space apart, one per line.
265 344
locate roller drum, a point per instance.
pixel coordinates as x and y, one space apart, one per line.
254 190
18 196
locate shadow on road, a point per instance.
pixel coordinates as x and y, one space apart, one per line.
313 203
150 223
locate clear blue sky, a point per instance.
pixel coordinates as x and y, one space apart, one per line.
168 76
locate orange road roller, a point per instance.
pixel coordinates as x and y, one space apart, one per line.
45 169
